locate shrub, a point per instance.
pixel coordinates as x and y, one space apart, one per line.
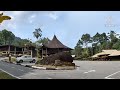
13 59
50 60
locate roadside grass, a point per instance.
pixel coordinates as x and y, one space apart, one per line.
4 75
13 59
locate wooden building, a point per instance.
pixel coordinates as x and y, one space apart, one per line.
16 50
54 46
107 55
30 50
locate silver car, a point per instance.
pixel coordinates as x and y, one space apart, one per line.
25 58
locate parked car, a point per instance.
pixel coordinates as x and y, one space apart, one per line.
25 58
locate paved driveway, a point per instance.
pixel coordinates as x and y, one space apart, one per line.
87 70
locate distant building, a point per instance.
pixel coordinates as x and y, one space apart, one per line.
16 50
107 55
54 46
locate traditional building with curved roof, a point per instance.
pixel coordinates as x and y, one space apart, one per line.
53 46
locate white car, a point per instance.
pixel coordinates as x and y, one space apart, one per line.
25 58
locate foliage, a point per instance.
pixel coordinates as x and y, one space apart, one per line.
43 41
37 33
6 37
98 43
64 57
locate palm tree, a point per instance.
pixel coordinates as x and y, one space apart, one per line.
37 33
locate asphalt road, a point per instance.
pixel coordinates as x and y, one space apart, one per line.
87 70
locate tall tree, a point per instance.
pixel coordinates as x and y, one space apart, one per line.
112 38
11 38
78 48
96 38
43 40
86 39
37 33
7 36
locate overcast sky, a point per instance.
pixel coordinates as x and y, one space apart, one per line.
68 26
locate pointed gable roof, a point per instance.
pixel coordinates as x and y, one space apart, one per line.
55 43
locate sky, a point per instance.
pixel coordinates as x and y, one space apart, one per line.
68 26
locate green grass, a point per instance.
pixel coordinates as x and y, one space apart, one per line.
4 75
13 59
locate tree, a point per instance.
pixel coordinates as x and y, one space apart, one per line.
101 41
86 39
78 48
11 38
103 38
7 36
37 33
1 38
112 38
43 40
96 38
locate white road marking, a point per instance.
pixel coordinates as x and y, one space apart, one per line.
20 69
49 78
33 73
108 77
13 67
10 74
90 71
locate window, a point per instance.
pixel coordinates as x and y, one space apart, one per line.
28 56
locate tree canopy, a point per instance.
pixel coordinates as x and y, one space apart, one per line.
97 43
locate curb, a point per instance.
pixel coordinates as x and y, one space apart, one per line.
40 68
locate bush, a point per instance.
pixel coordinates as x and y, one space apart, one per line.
50 60
77 58
13 59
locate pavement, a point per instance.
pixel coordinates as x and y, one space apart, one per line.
85 70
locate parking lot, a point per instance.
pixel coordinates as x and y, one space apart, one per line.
99 69
84 70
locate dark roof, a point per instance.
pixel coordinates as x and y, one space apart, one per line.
55 43
9 45
16 46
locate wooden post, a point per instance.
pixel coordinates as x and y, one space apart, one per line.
23 50
31 54
58 50
9 49
15 50
46 51
42 53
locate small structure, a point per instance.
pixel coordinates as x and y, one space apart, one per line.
30 50
6 49
107 55
16 50
54 46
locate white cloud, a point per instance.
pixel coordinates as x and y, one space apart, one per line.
18 12
32 18
21 18
68 25
53 16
